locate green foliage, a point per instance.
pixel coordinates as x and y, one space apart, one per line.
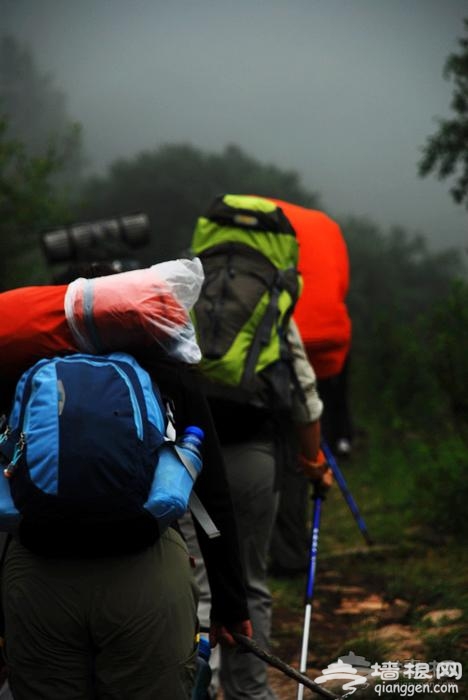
37 112
410 375
448 328
440 488
439 454
28 203
412 480
369 646
395 281
40 162
174 184
446 151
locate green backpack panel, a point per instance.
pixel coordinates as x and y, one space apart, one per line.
249 253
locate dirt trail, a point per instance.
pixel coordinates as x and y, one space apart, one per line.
346 617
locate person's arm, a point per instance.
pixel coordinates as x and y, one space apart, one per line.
306 413
221 555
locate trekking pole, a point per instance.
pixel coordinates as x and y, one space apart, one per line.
318 496
274 661
337 473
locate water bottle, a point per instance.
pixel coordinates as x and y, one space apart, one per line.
178 467
203 674
191 440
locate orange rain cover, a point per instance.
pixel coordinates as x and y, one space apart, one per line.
321 313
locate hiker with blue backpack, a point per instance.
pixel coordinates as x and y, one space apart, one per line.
261 389
98 594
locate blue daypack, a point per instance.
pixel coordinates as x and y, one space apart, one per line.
83 437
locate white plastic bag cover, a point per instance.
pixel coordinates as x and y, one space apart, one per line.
137 308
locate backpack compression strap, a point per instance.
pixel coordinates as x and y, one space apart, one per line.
263 332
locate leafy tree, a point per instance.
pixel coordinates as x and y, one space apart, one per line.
174 184
28 203
37 111
446 151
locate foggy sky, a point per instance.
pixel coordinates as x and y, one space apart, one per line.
345 92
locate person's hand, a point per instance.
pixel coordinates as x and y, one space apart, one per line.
327 479
221 634
317 470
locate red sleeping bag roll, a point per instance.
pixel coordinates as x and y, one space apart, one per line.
321 313
33 326
121 312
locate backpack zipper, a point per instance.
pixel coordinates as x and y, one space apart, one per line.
133 400
19 449
136 408
6 434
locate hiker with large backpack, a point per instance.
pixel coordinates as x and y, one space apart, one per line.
98 595
324 323
259 383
